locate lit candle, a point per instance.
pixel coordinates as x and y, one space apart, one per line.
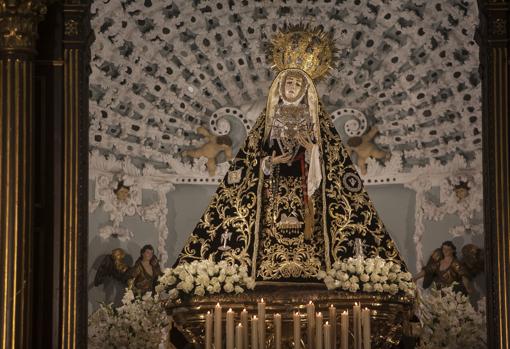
333 323
327 335
254 332
297 330
208 330
365 317
318 331
244 322
230 329
239 336
278 330
262 323
344 330
356 322
217 326
310 317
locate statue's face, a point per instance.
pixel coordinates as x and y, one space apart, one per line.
122 194
147 255
293 87
447 251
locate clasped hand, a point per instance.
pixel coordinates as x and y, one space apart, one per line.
287 157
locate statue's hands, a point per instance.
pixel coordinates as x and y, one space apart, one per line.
304 141
281 159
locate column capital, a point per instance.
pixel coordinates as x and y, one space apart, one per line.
18 24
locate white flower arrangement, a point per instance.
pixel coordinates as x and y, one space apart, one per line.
204 277
137 323
368 275
450 321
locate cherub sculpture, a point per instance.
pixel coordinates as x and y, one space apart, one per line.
364 148
142 277
210 150
444 268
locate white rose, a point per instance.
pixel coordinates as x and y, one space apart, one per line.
343 267
368 288
407 276
337 284
344 277
354 288
337 265
200 291
351 268
330 284
188 287
229 280
378 287
346 285
375 278
383 278
386 287
321 274
392 276
221 278
173 294
393 289
359 269
395 268
369 268
385 270
235 278
354 279
228 287
210 288
379 263
160 288
364 277
238 289
216 288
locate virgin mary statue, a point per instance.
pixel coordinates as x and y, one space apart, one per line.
292 203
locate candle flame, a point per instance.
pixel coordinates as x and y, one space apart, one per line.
254 317
244 310
230 310
261 300
218 304
310 302
327 322
346 312
208 312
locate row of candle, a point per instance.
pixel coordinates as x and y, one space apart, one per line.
319 335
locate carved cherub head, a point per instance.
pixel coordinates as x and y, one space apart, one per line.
122 192
461 190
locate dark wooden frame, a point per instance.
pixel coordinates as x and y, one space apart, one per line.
72 17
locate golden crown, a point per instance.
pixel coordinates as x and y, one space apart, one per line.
300 46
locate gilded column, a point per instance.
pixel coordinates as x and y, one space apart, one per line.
18 33
495 64
77 39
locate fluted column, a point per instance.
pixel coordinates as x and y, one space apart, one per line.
495 63
74 241
18 32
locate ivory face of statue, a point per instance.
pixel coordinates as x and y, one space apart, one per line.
293 87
